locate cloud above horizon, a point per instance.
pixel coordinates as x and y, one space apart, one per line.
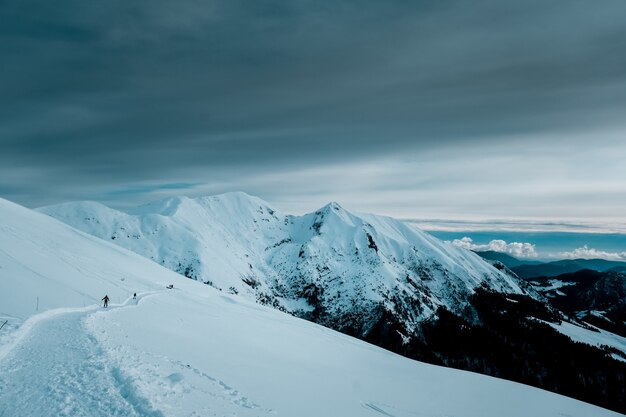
492 109
515 249
586 252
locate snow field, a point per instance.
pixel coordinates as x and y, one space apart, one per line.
225 356
599 338
44 264
195 351
56 368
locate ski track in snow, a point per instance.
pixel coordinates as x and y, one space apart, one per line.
391 411
58 369
377 409
152 373
197 393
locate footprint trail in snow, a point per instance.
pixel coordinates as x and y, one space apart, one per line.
58 369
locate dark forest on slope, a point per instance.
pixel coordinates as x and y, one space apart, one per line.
506 336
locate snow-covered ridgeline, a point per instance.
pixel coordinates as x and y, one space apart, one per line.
197 351
327 264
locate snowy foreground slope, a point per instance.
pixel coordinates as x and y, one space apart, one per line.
332 266
195 351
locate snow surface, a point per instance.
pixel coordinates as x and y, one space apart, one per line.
590 337
554 284
350 263
196 351
44 264
59 369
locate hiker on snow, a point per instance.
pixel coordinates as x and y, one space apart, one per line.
106 301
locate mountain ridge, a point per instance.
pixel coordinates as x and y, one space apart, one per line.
329 265
530 268
486 340
156 354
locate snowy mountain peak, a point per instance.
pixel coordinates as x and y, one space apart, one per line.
232 199
154 354
85 207
233 203
333 217
332 206
330 265
165 207
236 203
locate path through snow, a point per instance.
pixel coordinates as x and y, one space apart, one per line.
58 369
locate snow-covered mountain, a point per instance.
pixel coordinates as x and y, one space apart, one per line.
195 350
335 267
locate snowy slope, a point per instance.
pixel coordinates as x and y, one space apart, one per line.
595 337
332 266
45 264
195 351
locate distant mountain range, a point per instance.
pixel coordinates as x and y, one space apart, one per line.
597 298
508 260
531 269
591 290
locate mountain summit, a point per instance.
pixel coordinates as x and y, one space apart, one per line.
195 351
342 269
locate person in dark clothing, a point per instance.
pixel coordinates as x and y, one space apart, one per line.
106 301
134 296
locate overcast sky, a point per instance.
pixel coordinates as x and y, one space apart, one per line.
417 109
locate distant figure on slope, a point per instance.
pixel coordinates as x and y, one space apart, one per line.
134 296
170 287
106 301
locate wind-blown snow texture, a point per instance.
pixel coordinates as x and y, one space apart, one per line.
330 265
195 351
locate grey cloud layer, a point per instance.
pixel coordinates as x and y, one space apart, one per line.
97 95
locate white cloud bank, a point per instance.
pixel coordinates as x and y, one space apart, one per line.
590 253
527 250
517 249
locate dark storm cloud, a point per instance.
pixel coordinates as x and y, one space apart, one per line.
108 94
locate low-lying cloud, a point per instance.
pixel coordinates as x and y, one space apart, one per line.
586 252
517 249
